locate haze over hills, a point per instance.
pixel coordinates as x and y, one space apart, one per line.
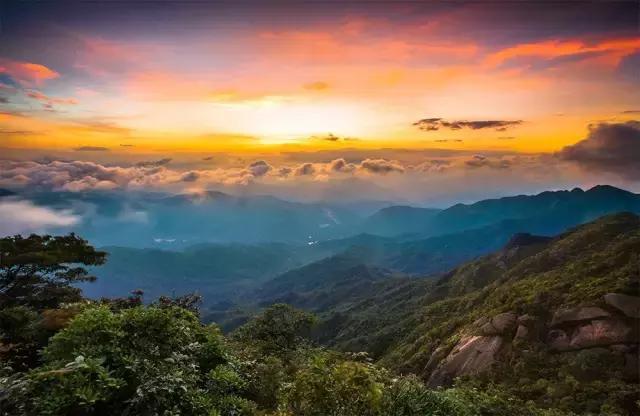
575 206
225 272
151 219
143 219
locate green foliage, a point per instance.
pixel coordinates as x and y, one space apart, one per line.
120 357
402 328
38 271
278 331
408 396
143 360
329 387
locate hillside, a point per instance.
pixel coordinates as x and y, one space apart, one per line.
571 207
234 271
537 310
398 220
216 271
331 282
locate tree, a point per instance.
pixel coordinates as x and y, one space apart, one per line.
38 271
278 331
327 386
135 361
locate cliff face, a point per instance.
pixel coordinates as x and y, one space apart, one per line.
613 328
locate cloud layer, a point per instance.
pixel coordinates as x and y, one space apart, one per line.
434 124
609 148
20 217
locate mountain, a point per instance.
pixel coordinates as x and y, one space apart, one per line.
323 284
398 219
463 232
540 312
143 219
217 271
161 220
232 271
571 207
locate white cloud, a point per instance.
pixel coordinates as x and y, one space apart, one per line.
21 217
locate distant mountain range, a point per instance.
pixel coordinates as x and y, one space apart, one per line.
574 207
227 247
147 219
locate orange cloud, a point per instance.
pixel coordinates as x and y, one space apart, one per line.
37 95
27 73
612 50
350 44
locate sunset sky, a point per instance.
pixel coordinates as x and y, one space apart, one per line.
117 83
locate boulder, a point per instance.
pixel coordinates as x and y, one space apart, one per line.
628 305
437 356
472 355
499 324
600 333
558 340
527 320
576 315
522 333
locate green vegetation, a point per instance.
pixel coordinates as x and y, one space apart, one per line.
403 330
65 355
155 360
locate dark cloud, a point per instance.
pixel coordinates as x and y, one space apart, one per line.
630 112
284 171
305 169
154 163
207 158
448 140
259 168
4 100
127 145
381 166
613 148
341 165
481 161
190 176
433 124
332 138
91 149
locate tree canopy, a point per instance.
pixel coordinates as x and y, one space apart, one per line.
39 271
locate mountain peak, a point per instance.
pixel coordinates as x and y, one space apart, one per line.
525 239
602 189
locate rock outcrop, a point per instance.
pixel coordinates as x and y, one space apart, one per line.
629 305
573 315
499 324
472 355
615 326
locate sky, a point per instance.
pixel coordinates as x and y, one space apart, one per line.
418 101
